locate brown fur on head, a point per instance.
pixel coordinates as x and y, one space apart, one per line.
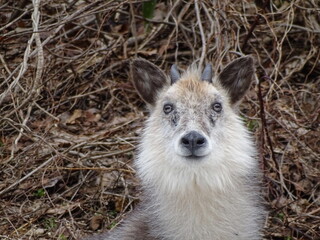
235 78
194 108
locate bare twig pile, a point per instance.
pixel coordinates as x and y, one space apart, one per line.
70 118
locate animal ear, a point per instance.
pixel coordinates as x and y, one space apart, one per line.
236 77
148 79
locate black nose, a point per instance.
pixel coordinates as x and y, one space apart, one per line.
193 141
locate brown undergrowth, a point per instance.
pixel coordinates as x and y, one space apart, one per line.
70 119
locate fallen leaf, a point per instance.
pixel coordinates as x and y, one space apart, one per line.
76 114
96 222
62 209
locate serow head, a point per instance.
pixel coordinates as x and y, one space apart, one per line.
192 113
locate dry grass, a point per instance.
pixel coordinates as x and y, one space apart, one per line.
70 118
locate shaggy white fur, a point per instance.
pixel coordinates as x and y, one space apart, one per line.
211 196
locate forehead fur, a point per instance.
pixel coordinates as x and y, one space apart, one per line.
190 86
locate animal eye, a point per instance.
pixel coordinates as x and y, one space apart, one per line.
167 108
217 107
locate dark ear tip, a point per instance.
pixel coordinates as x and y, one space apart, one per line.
138 61
247 60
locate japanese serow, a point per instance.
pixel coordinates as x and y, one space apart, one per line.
196 162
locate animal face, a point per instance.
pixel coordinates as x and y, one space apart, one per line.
192 113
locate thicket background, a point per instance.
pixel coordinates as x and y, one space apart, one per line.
70 119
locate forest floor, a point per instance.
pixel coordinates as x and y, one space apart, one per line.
70 119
